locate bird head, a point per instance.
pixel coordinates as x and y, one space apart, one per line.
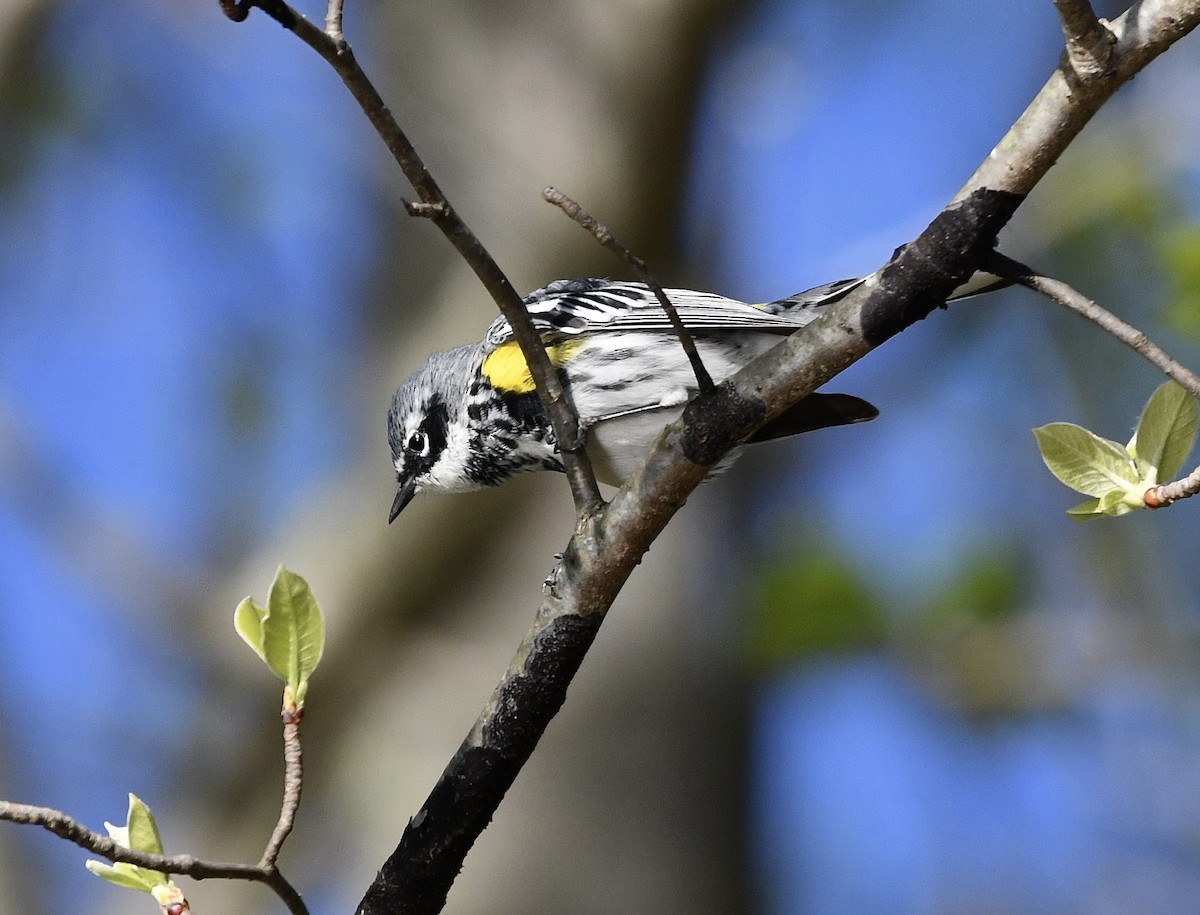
428 427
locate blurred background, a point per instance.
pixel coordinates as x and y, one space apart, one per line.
876 670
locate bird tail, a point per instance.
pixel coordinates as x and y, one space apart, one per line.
817 411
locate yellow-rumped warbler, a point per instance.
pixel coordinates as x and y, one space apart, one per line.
470 418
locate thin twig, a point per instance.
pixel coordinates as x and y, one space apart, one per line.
72 830
293 783
333 21
265 872
1165 493
1090 45
563 417
1077 302
604 235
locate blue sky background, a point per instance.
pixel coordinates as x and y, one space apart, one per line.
180 284
181 296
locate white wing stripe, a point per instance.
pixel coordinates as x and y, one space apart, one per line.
583 307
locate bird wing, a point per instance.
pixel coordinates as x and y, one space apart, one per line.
569 308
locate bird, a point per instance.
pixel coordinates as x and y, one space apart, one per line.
471 418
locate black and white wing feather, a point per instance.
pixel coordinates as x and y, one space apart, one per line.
568 308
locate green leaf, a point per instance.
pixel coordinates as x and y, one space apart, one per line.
1165 433
1082 460
168 894
248 623
1112 504
1086 511
289 633
301 640
123 875
142 829
1115 503
140 833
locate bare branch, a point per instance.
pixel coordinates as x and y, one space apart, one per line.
70 829
603 235
1077 302
264 872
1163 495
1064 105
563 418
293 783
1089 43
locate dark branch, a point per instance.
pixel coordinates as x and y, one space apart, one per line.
603 235
419 873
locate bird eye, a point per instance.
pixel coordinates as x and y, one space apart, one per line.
417 443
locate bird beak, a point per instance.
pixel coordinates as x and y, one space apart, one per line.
404 495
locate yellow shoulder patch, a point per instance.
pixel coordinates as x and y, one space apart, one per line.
506 371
